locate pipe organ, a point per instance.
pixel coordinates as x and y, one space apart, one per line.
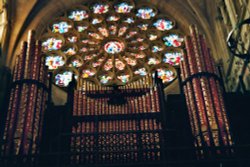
204 98
27 103
114 124
107 132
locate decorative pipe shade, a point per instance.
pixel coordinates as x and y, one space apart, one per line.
204 98
27 101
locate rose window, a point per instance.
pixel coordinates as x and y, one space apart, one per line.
112 43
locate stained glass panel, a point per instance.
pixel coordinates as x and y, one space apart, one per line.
153 61
98 62
63 79
172 58
76 63
100 8
124 78
52 44
61 27
138 55
103 31
104 79
143 27
95 35
146 13
88 73
119 64
164 24
130 61
114 47
96 21
108 65
72 39
166 75
152 37
53 62
113 18
70 51
84 49
122 31
129 20
81 28
141 71
78 15
173 40
112 29
131 34
157 48
123 8
89 57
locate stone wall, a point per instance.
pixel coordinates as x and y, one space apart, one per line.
230 13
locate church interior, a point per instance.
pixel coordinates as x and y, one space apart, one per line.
162 83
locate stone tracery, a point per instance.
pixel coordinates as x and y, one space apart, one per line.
112 43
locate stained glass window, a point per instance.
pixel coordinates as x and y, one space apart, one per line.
113 42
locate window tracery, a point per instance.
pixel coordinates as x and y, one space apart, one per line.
111 43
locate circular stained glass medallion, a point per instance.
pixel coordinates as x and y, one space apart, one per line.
114 47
